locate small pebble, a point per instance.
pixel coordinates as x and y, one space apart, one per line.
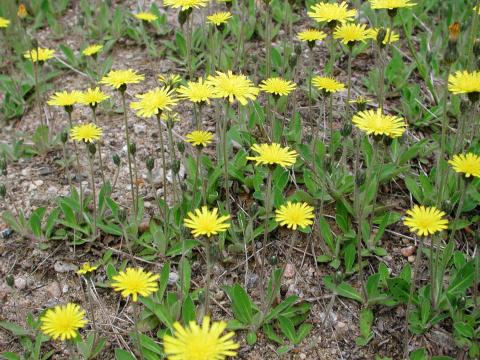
20 283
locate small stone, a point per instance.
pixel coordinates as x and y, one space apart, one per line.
54 290
46 170
289 271
302 356
408 251
341 327
38 183
252 280
331 316
173 278
65 289
64 267
411 259
20 283
219 295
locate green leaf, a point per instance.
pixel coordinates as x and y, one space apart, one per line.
121 354
462 280
302 332
465 330
277 310
271 334
348 291
14 328
326 233
419 354
186 246
241 304
163 280
181 44
251 338
366 321
149 344
10 356
287 328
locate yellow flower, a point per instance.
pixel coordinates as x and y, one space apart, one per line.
425 220
327 84
326 12
86 269
390 4
43 54
311 35
170 116
205 222
154 102
86 132
199 138
200 343
273 154
277 86
375 123
233 87
92 97
197 92
219 18
119 78
146 16
4 22
64 98
295 215
185 4
22 11
464 82
169 80
92 50
351 33
469 164
63 321
477 8
393 38
135 282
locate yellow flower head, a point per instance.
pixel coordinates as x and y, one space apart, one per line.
393 37
170 116
63 321
92 97
205 222
200 343
169 80
390 4
86 132
92 50
22 11
425 221
197 92
199 138
469 164
326 12
349 34
464 82
277 86
477 8
64 98
154 102
42 56
86 269
146 16
295 215
375 123
327 84
135 282
4 22
273 154
233 87
219 18
311 35
185 4
119 78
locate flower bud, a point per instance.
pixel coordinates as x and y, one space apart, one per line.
392 12
122 88
3 191
64 137
92 148
150 163
132 149
183 16
360 178
176 167
3 165
473 96
116 160
346 129
311 44
68 108
292 61
181 147
122 215
298 49
10 280
381 35
476 48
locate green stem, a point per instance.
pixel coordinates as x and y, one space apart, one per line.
410 296
262 283
127 136
225 157
208 279
164 173
137 331
99 147
471 37
94 193
174 158
77 158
